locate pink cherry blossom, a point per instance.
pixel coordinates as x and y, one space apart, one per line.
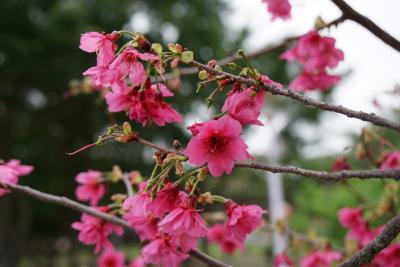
111 258
91 189
245 106
143 106
278 8
282 260
389 257
308 81
340 164
391 161
137 204
242 220
146 227
10 172
127 64
138 262
94 231
165 200
217 234
320 258
315 52
218 144
163 251
185 223
102 44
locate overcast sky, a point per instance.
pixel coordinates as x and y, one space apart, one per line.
375 66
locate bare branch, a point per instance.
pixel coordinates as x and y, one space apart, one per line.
323 175
367 254
350 13
68 203
370 117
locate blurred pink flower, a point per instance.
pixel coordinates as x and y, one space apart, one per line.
10 172
91 187
163 251
111 258
388 257
138 262
391 160
242 220
282 260
308 81
217 234
320 258
340 164
278 8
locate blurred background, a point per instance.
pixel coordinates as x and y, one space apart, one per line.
39 57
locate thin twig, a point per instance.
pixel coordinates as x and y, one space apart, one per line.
350 13
323 175
68 203
128 184
367 254
370 117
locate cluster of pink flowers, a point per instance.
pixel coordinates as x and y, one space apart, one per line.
125 74
360 231
391 160
172 225
278 8
10 172
316 54
321 258
218 142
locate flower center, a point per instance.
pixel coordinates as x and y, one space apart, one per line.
216 143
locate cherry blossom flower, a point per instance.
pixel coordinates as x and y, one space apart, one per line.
308 81
388 257
340 164
391 161
163 251
218 144
185 223
111 258
217 234
315 52
144 106
94 231
103 45
127 64
137 205
319 258
266 80
242 220
146 227
138 262
91 189
283 260
10 172
245 106
278 8
165 200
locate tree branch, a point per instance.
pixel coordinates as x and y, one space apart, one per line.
70 204
370 117
323 175
350 13
255 54
367 254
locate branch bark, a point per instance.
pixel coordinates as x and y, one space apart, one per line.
350 13
70 204
323 175
369 117
367 254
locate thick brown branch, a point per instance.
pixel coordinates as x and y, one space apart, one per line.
350 13
323 175
68 203
367 254
370 117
